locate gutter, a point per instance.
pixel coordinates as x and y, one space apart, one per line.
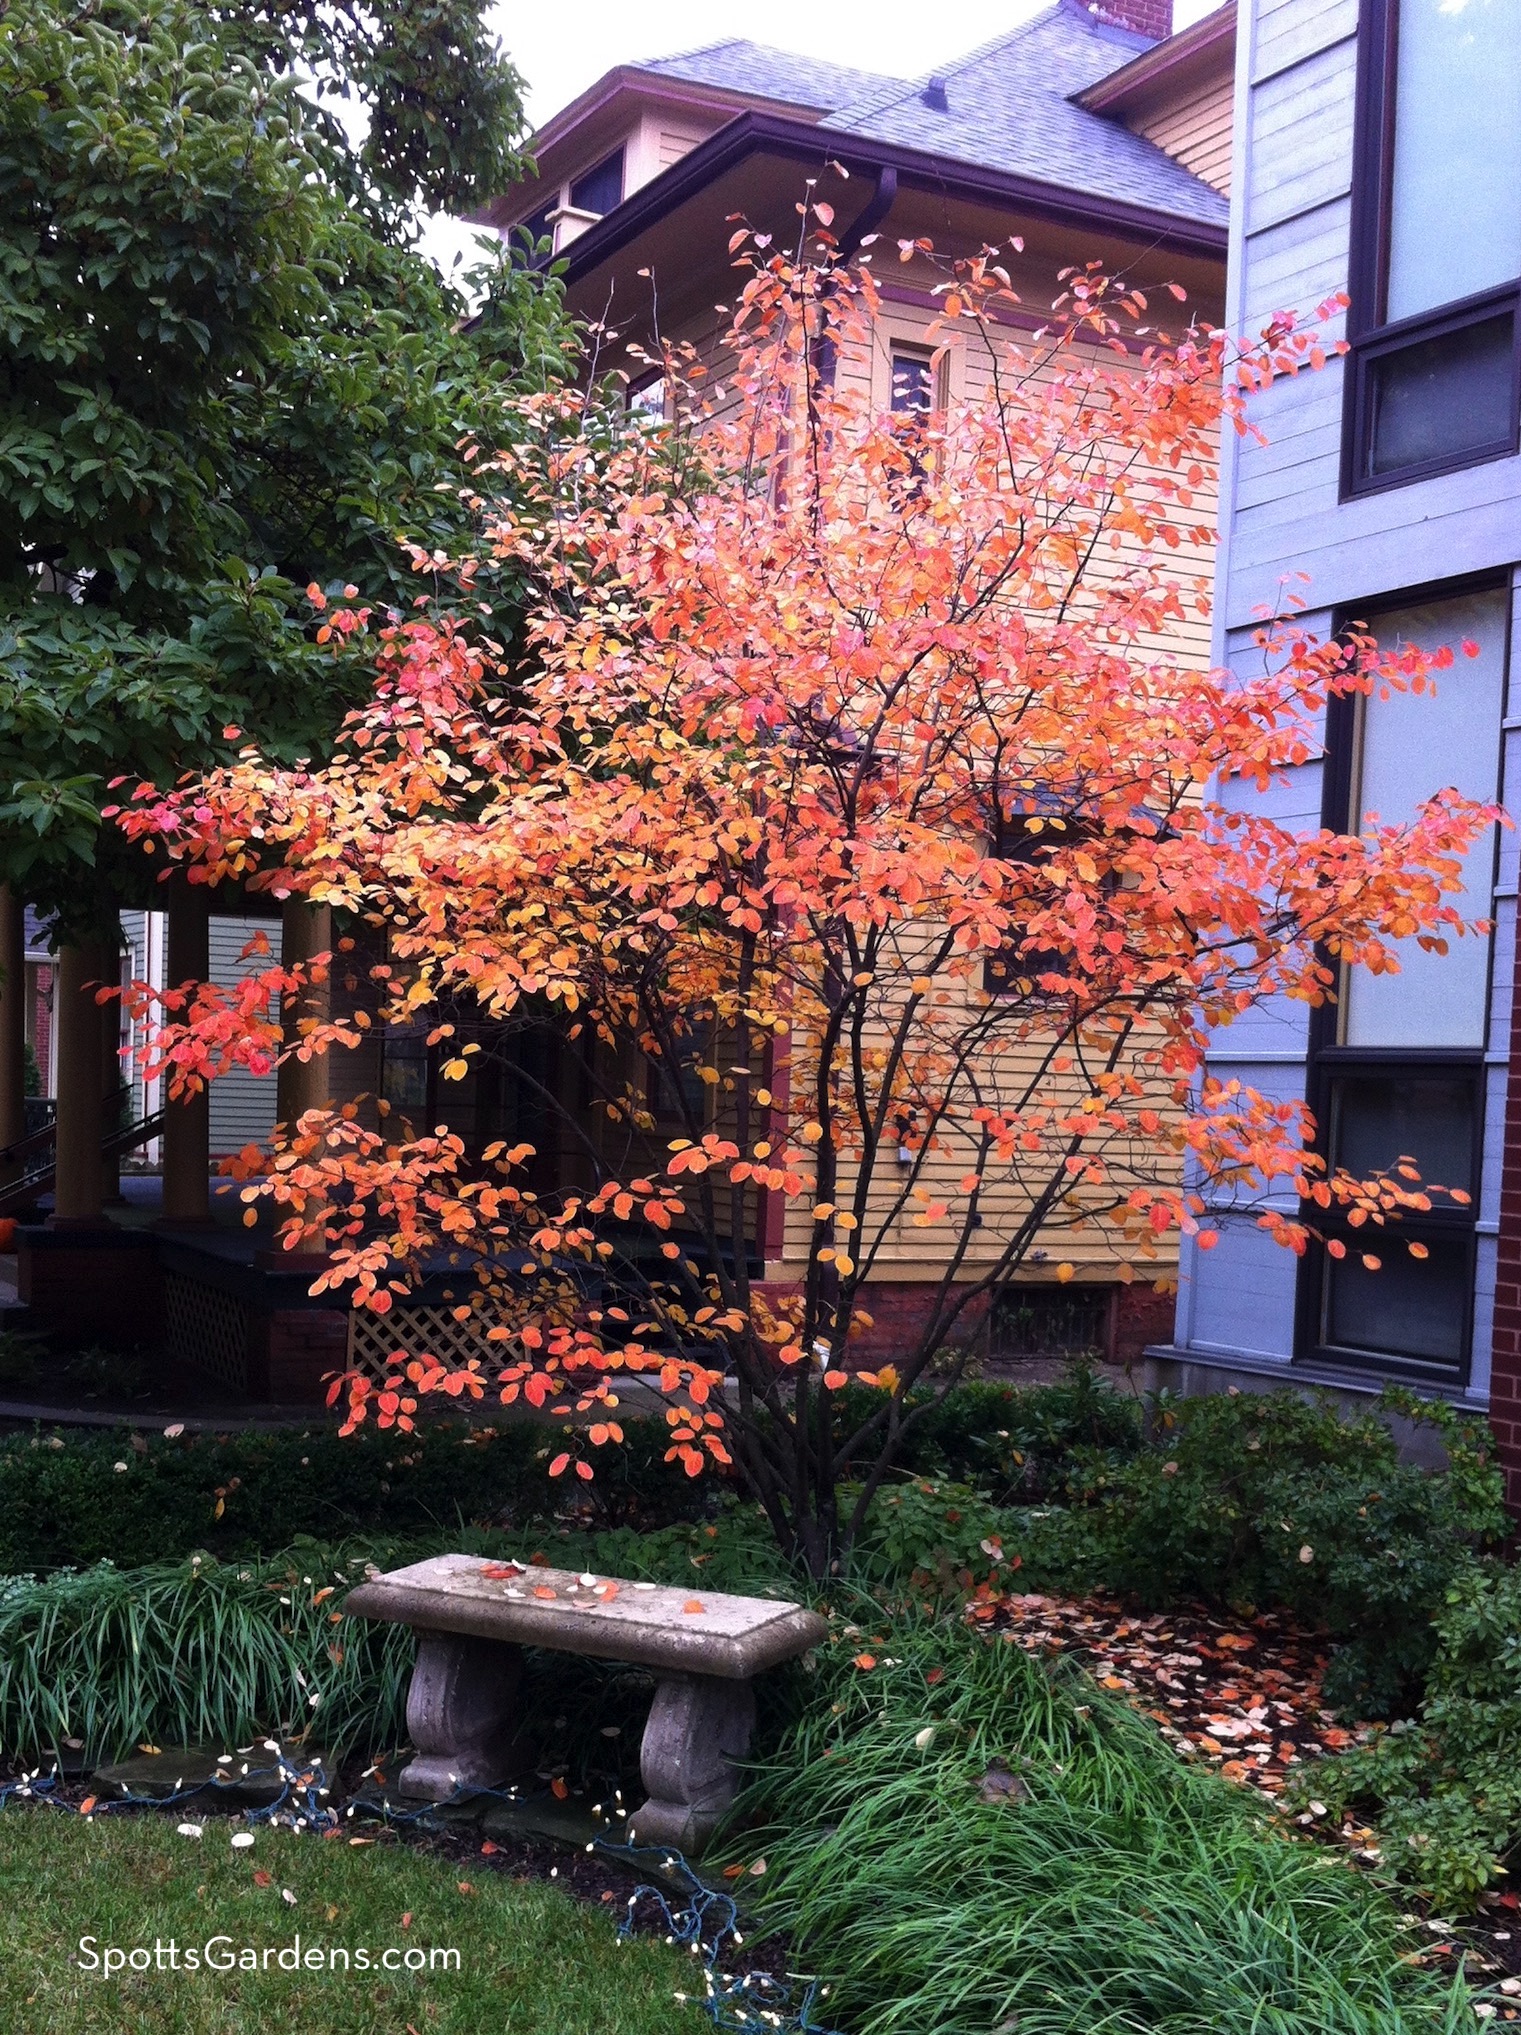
916 169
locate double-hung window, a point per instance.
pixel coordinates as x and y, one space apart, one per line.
1397 1063
1434 377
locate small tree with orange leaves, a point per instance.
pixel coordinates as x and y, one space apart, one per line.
847 788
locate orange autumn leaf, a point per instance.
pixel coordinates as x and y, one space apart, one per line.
694 1604
864 1661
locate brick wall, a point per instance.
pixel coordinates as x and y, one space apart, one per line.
293 1352
1145 17
1505 1360
1141 1315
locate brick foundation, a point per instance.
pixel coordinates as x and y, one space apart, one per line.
293 1351
1139 1315
1135 1316
99 1284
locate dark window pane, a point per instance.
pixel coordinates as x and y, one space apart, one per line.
600 189
1410 1308
526 237
1378 1120
1437 399
404 1071
913 385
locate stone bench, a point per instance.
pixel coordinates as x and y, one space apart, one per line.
473 1619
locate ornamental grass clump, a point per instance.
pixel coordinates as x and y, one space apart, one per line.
196 1652
963 1839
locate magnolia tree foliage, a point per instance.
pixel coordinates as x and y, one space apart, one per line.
852 784
228 371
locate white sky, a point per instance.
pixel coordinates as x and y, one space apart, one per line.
562 48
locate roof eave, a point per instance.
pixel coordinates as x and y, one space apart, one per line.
1164 66
761 133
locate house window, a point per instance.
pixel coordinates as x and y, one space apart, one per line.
601 188
1434 378
1397 1066
913 384
1014 969
406 1073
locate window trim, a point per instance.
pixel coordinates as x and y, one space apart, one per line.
1370 337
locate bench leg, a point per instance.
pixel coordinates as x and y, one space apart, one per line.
462 1715
699 1726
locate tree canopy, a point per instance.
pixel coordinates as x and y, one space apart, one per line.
863 821
227 372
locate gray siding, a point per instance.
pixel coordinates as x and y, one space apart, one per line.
1280 516
1290 241
242 1104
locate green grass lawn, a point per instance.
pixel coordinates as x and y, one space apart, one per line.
532 1961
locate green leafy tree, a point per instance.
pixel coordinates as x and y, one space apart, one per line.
226 372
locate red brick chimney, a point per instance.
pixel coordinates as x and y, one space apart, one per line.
1141 17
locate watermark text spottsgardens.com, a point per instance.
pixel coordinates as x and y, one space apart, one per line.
225 1953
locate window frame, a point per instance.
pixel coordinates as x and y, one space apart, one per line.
1370 336
1328 1060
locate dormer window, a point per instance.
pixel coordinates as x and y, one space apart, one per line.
599 189
527 236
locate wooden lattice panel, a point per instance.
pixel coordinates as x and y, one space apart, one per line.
376 1340
206 1329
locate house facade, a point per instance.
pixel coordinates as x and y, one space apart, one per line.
1377 152
1088 134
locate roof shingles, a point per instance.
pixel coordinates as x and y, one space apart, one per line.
1009 107
764 73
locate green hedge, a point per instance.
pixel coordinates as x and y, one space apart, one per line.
65 1503
64 1500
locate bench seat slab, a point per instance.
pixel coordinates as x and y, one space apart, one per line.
690 1631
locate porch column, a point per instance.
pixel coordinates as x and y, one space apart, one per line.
187 1124
300 1085
305 930
12 1027
113 1073
76 1186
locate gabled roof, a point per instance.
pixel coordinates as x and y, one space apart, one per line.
1010 106
760 72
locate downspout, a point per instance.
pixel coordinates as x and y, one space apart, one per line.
867 220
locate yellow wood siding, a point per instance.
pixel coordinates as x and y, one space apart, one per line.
1195 131
907 1252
